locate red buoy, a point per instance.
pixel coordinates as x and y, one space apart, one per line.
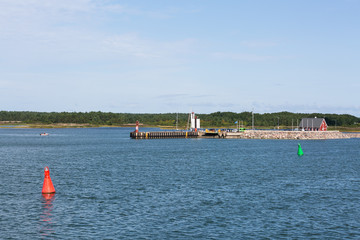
48 186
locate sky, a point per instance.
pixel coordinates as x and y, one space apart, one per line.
158 56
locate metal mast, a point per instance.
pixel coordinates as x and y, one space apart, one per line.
252 119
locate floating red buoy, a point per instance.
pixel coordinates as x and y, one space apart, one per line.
48 186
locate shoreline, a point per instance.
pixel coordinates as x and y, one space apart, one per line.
60 125
9 125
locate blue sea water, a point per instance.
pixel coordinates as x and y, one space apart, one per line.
109 186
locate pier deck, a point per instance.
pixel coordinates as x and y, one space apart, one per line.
175 134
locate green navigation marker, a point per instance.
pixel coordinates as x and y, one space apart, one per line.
300 151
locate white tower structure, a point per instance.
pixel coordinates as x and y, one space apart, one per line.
194 122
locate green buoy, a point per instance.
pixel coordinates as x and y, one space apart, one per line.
300 151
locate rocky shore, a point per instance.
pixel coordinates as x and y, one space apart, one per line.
306 135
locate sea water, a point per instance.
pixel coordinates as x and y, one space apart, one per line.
109 186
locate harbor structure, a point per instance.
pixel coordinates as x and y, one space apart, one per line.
310 128
313 124
246 134
194 122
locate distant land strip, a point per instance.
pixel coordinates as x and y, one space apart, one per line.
278 120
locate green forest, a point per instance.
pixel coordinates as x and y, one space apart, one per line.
216 119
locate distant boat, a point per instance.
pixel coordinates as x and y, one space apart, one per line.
44 134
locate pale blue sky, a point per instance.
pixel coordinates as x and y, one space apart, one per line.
176 56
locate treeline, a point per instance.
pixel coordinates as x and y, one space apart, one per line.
287 119
217 119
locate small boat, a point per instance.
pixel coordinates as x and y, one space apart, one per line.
44 134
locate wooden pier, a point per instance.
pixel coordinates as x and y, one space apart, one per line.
175 134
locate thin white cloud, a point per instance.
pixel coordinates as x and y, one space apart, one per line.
69 30
243 57
54 11
258 44
173 96
6 84
131 44
31 10
128 10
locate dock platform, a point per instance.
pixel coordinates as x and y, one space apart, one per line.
175 134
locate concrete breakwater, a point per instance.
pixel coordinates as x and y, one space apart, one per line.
269 134
248 134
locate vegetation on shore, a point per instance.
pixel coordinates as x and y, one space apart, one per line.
280 120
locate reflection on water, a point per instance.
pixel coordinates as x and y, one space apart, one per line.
46 217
